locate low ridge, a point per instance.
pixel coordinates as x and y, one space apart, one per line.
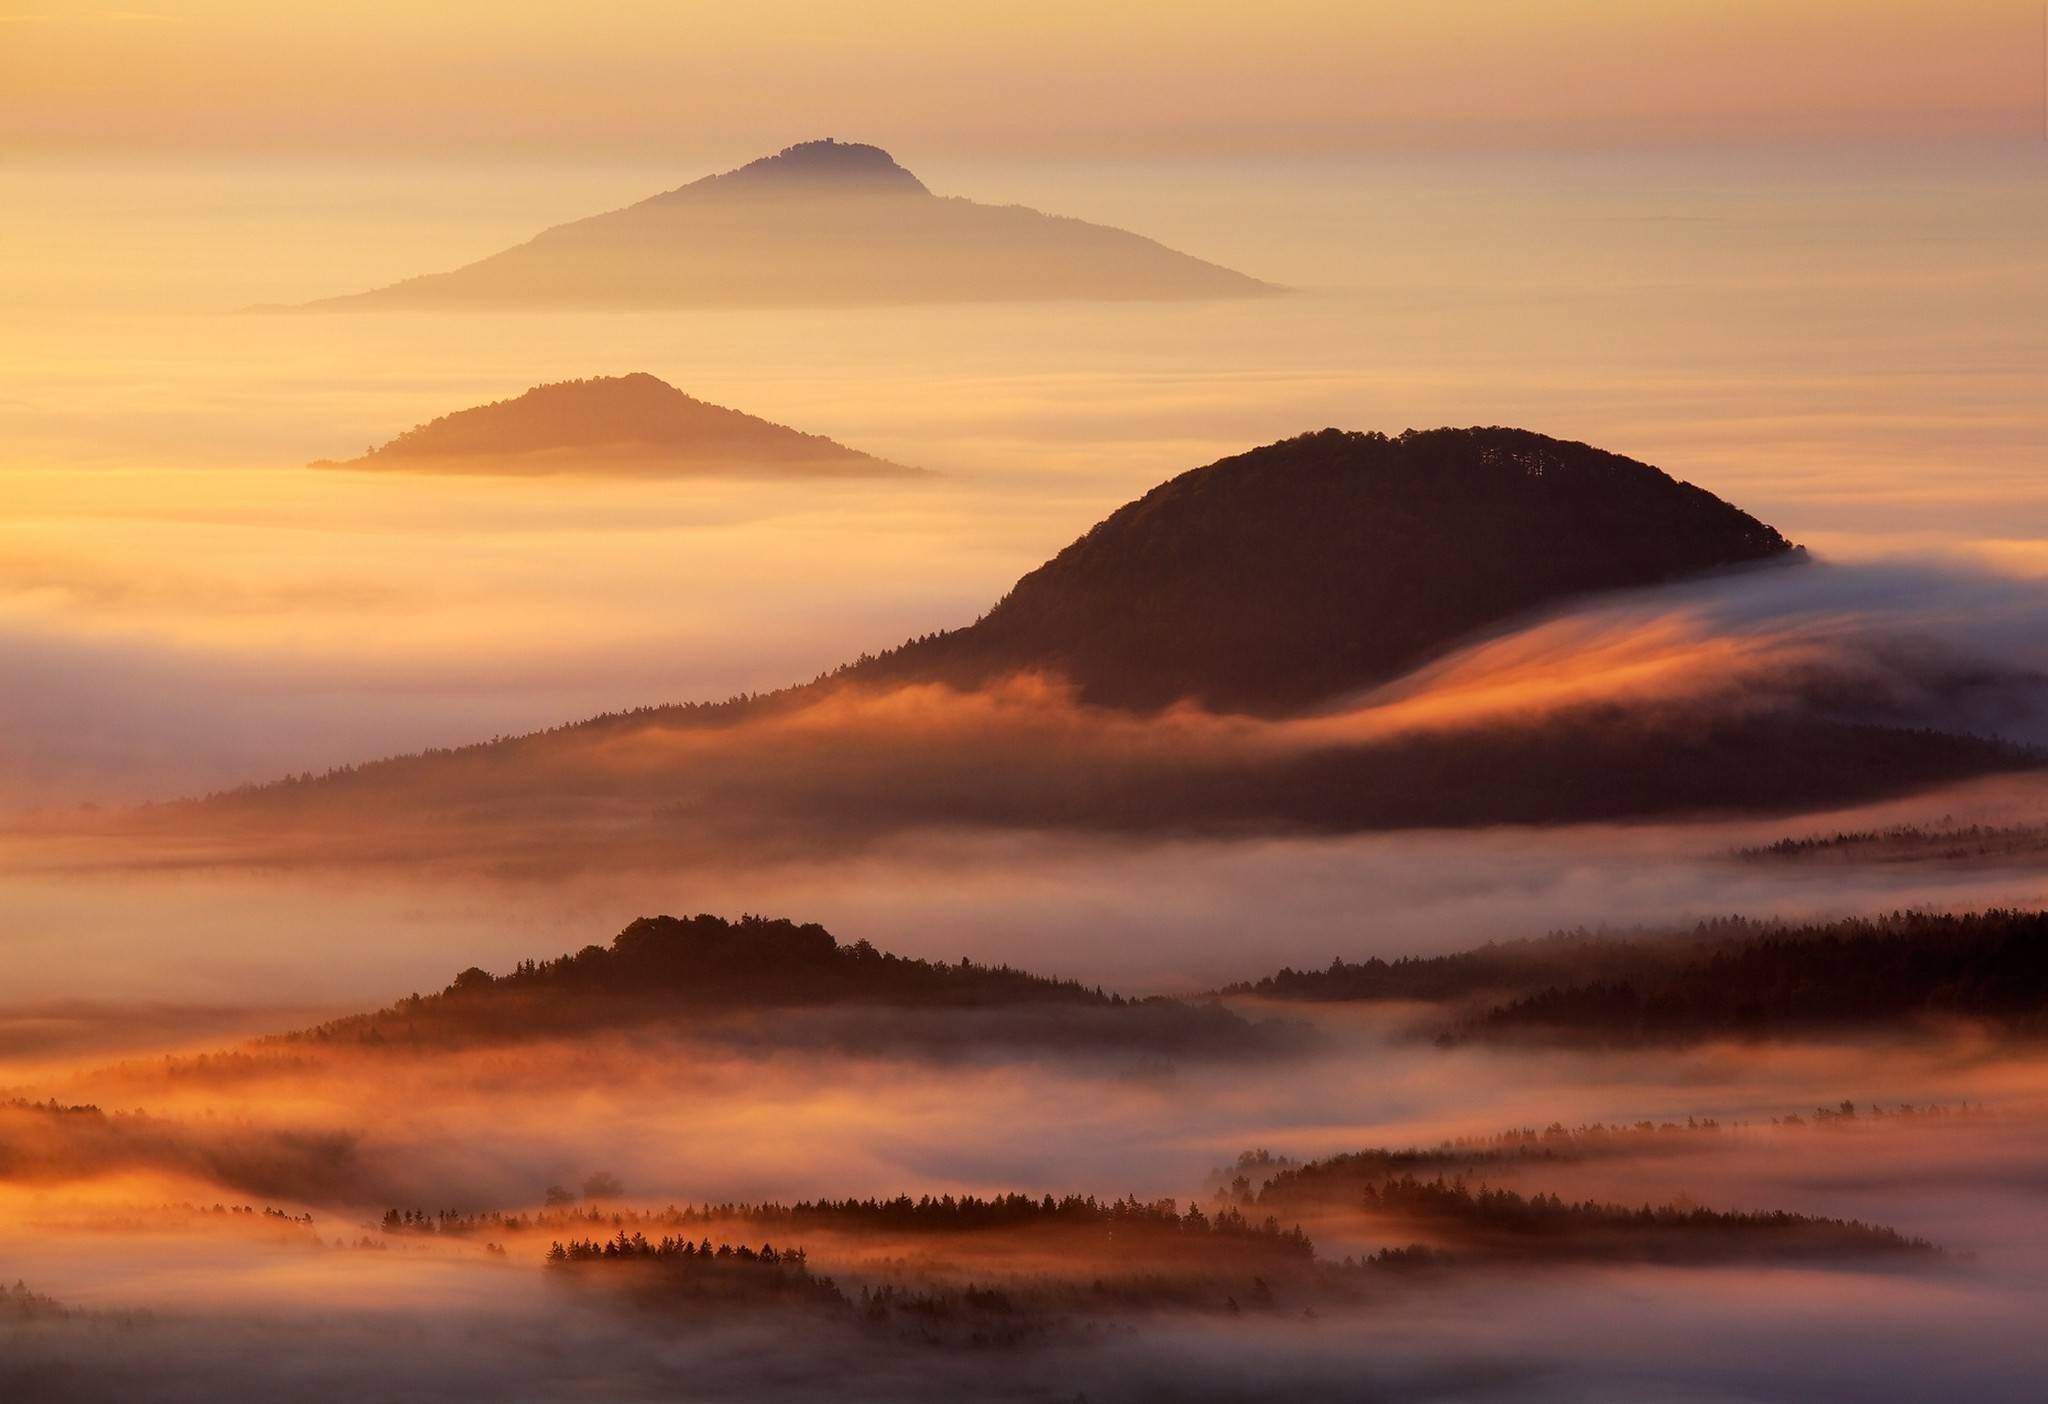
630 423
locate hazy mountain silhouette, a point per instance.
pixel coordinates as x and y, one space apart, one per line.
823 223
620 424
1281 577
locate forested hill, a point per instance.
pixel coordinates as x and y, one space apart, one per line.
1723 979
698 968
1288 575
1882 975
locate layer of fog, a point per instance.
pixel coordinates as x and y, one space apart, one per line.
680 1118
239 1302
1166 916
1620 1336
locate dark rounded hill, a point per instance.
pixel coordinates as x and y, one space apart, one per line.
1278 578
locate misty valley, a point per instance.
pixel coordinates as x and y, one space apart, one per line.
509 1149
1063 704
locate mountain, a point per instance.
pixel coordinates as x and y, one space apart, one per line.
1282 577
822 223
619 424
1264 587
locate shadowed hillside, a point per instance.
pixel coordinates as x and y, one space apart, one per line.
822 223
1845 977
700 970
1288 575
1730 978
617 424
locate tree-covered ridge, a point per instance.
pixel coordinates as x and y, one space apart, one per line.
678 1273
1500 965
1862 974
1911 843
673 1273
1125 1220
1730 976
659 967
1258 1179
1261 1181
1279 578
1503 1225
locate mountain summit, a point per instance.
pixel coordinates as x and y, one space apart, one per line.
812 167
1283 577
822 223
616 424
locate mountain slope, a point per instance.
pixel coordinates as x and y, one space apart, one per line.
782 979
1288 575
822 223
631 423
1268 588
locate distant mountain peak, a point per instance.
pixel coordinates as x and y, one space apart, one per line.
813 167
824 223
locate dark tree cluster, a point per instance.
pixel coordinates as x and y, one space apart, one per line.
18 1303
1495 966
1127 1220
1883 973
1497 1223
666 965
1292 1186
686 1271
1942 843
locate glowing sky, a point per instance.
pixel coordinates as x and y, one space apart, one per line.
641 76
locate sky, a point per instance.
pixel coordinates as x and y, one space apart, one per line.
607 80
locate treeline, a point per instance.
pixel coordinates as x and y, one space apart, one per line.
1125 1220
663 965
1882 973
18 1303
1260 1179
1495 966
1911 842
1291 1185
1500 1224
681 1271
54 1141
1729 976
